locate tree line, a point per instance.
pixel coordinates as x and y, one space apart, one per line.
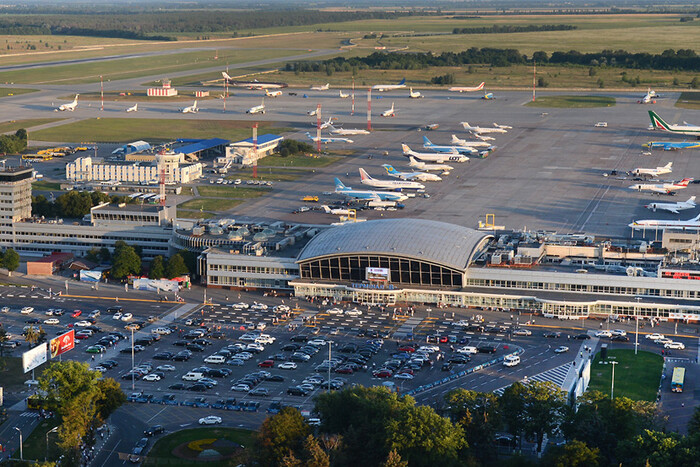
510 28
74 204
13 144
127 260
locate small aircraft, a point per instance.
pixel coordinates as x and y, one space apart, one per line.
467 88
342 95
369 195
326 140
191 109
341 131
659 124
389 184
427 144
669 146
389 87
312 113
503 127
273 93
414 95
390 112
667 188
649 97
488 96
69 107
473 144
135 108
438 157
640 172
420 176
673 207
255 84
478 130
425 166
258 109
336 211
482 137
325 87
690 224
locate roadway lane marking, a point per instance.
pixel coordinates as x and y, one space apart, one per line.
111 452
154 416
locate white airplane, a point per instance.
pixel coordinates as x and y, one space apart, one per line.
389 87
478 130
438 157
191 109
667 188
390 112
258 109
414 95
659 124
471 144
342 95
369 195
673 207
640 172
255 84
649 97
467 88
427 144
326 140
482 137
352 131
273 93
505 127
321 88
69 107
420 176
135 108
690 224
336 212
389 184
312 113
425 166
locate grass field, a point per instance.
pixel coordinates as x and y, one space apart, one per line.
300 160
209 204
162 451
35 444
572 102
12 376
4 92
185 214
689 100
41 185
117 130
636 376
14 125
240 192
270 174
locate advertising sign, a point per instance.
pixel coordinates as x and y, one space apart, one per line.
34 357
62 343
90 276
378 274
154 285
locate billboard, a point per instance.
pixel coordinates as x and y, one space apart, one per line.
62 343
377 274
34 357
90 276
154 285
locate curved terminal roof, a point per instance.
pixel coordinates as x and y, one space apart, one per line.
436 242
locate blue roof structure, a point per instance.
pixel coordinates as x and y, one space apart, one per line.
198 145
262 139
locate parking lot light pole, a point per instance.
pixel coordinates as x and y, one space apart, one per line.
21 454
133 376
52 430
330 343
612 382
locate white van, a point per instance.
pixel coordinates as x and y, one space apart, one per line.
511 360
468 350
215 359
193 376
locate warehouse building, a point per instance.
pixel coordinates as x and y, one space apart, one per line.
244 152
88 169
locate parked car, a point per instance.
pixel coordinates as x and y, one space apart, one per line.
210 420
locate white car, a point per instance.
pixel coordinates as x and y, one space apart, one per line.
468 350
240 387
522 332
461 323
26 310
655 336
428 348
287 366
603 333
151 377
353 312
281 308
601 125
243 356
127 316
117 315
240 306
258 306
210 420
334 311
511 360
265 339
664 341
255 346
675 345
317 342
403 376
561 349
51 321
248 337
83 323
165 368
618 332
5 309
162 331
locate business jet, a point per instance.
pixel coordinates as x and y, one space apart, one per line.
389 87
641 172
258 109
414 95
420 176
135 108
438 157
326 140
659 124
427 144
504 127
669 146
273 93
255 84
312 113
467 88
673 207
69 107
337 211
321 88
690 224
482 137
389 184
473 144
342 95
425 166
649 97
667 188
479 130
191 109
340 188
390 112
342 132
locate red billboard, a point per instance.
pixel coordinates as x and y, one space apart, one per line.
62 344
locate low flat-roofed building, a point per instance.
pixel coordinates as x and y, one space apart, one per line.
244 152
132 214
48 265
86 169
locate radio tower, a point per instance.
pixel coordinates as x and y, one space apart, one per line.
318 128
255 150
369 109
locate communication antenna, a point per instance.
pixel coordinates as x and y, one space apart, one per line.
369 109
318 128
352 109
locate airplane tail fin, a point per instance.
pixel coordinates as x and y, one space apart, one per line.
225 75
455 140
685 181
466 125
364 175
405 148
669 165
338 184
657 122
326 209
402 82
75 101
389 169
481 86
691 200
426 141
195 104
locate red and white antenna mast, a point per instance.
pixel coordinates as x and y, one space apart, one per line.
369 109
352 109
102 95
318 128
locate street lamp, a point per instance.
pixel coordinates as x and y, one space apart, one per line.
133 378
612 383
636 328
21 454
330 343
52 430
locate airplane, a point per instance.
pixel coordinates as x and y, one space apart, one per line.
191 109
659 124
389 87
389 184
312 113
414 95
255 84
668 188
438 157
390 112
69 107
341 95
473 144
326 140
368 194
451 149
640 172
479 130
273 93
135 108
420 176
482 137
504 127
668 146
690 224
336 212
649 97
467 88
673 207
488 96
258 109
341 131
321 88
425 166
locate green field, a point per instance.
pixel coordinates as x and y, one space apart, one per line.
209 204
231 191
270 174
12 376
572 102
300 160
4 92
35 444
118 130
185 214
689 100
14 125
163 451
636 376
41 185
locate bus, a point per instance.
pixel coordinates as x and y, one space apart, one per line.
37 157
678 379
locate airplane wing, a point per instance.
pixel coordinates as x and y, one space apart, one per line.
673 210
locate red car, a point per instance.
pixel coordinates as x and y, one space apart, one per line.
382 374
81 336
407 348
344 370
76 313
443 339
266 364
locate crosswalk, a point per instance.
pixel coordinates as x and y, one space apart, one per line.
555 375
29 414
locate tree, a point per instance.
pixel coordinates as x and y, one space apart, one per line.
544 406
126 262
512 404
280 435
105 255
93 255
109 397
315 456
394 460
694 423
157 268
31 336
175 267
478 415
573 454
694 83
10 260
4 337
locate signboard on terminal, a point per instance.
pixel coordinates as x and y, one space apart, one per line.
34 357
378 274
675 274
683 316
62 343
